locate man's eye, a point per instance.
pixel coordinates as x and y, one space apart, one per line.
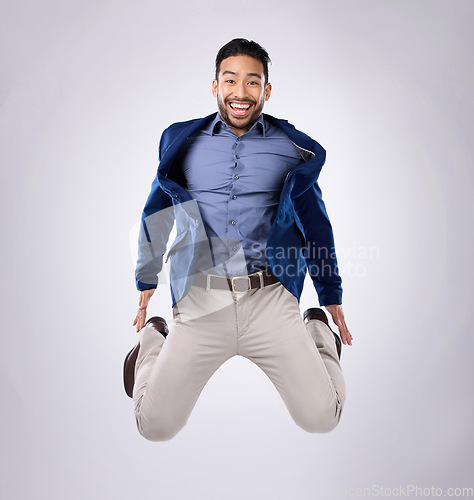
253 83
229 81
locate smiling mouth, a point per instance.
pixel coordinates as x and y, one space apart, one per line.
239 108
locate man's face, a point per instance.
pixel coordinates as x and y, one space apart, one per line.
241 92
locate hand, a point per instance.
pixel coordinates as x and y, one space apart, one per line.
140 318
338 317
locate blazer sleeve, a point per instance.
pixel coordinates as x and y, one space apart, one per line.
155 227
319 250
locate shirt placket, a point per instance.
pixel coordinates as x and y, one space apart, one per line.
234 194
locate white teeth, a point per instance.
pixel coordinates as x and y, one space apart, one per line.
240 106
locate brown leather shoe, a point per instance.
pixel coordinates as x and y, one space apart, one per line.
131 358
319 314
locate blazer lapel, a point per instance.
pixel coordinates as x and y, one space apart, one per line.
180 135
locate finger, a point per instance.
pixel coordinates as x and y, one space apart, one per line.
348 337
137 320
344 331
347 332
141 319
343 328
139 326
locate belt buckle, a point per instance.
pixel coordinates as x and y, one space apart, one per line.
247 279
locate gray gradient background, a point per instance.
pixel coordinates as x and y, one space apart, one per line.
86 90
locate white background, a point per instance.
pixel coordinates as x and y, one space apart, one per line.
86 90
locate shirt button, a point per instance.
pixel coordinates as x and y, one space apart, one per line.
234 249
235 164
234 197
233 222
236 177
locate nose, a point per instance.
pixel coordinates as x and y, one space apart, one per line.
240 90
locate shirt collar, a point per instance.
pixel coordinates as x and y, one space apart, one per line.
218 124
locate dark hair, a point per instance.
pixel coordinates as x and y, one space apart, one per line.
243 47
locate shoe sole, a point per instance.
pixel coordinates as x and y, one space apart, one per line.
129 370
131 360
318 310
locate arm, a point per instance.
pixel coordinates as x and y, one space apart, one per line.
153 237
156 224
319 249
321 255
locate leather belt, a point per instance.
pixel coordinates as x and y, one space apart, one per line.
238 284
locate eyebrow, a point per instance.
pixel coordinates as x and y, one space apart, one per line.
228 72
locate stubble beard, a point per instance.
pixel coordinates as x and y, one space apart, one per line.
235 122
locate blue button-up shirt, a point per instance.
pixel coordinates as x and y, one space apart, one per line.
236 181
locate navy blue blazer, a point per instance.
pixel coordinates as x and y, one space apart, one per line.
301 238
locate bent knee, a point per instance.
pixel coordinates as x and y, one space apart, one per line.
318 426
320 423
158 431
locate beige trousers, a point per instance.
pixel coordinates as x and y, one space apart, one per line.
211 326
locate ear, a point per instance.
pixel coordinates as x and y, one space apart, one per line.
214 88
268 91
